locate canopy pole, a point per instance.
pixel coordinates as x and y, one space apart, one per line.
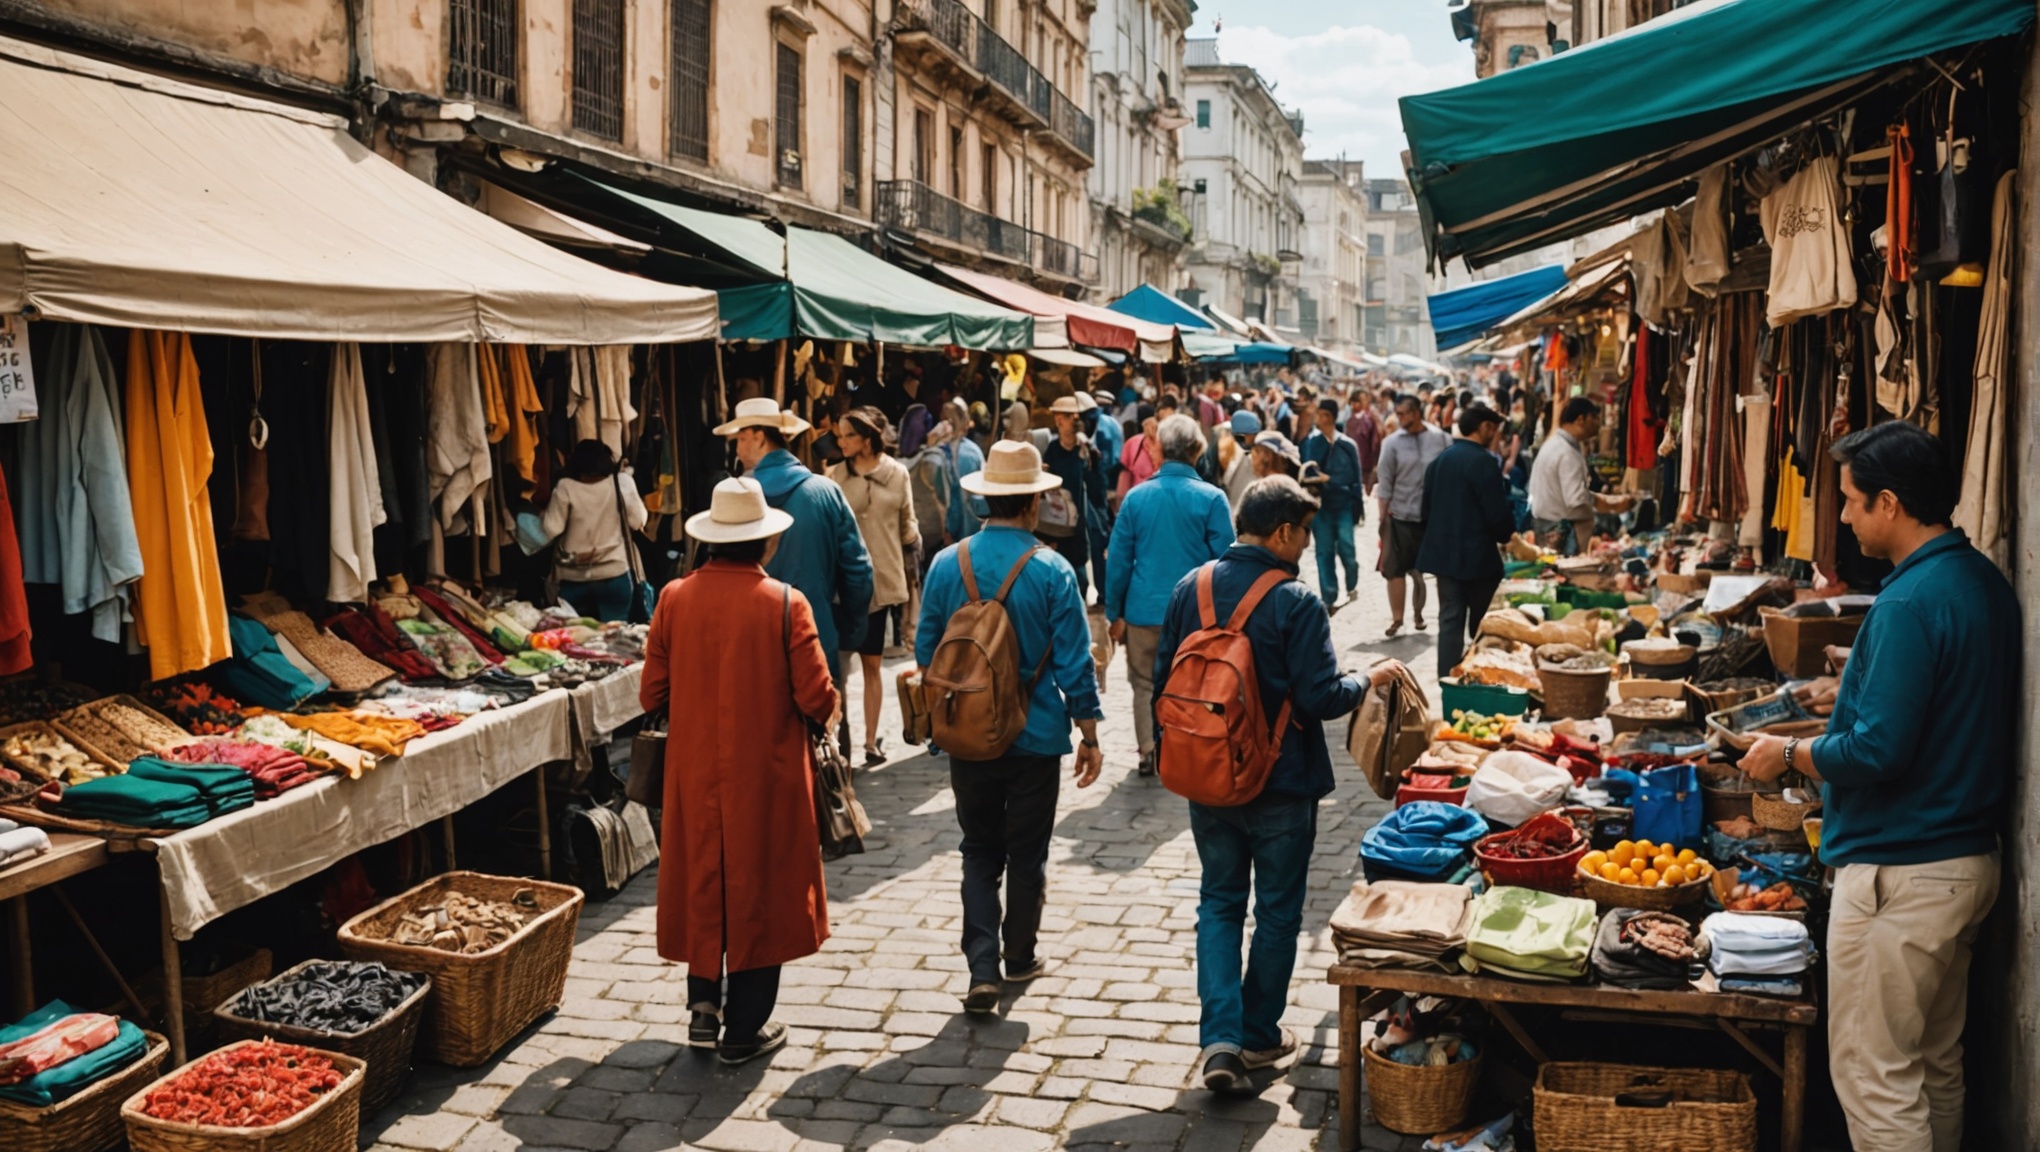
779 372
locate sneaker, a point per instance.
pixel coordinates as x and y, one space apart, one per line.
770 1038
705 1029
982 999
1224 1071
1021 974
1271 1057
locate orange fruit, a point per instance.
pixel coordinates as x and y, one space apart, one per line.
1646 849
1650 877
1625 876
1687 855
1592 862
1662 862
1610 871
1623 852
1674 876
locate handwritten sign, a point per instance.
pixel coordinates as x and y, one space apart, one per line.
17 375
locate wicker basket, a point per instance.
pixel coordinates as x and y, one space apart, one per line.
1589 1107
1608 894
88 1121
384 1046
1772 810
64 723
1419 1101
480 1001
1549 874
32 777
202 994
1574 695
331 1124
1718 803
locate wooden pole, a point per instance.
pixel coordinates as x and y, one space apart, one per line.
545 871
127 993
24 957
173 980
446 832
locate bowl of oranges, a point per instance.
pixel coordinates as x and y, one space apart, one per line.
1640 874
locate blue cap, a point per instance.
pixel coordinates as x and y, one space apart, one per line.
1245 423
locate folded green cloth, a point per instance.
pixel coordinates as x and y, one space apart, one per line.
74 1075
224 787
137 801
1524 932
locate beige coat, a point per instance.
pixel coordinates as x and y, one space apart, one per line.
883 501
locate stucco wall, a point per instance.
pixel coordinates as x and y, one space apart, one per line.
302 38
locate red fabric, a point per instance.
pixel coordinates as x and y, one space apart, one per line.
1644 428
370 629
14 633
448 613
740 863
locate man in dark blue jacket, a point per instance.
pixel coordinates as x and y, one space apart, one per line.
1466 518
1343 497
1265 844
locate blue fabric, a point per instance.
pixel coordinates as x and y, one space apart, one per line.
1424 839
1110 438
604 600
1167 527
69 1078
1265 843
1048 617
1293 660
1919 748
823 553
223 787
1259 352
1245 423
258 673
1333 533
1466 313
1340 458
967 512
1467 515
1667 807
1150 303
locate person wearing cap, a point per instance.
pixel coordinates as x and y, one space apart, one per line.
1274 454
1405 455
880 493
1467 518
1006 807
737 661
823 553
1240 473
1342 497
1166 528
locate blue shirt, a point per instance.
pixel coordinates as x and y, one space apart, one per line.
1111 441
966 512
1293 660
1048 616
1166 527
1340 458
823 554
1920 747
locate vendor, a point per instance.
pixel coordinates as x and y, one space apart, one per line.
1913 769
594 510
1562 499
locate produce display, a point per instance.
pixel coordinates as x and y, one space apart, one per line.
197 706
51 756
1641 864
1779 897
465 924
328 996
1475 726
1544 838
253 1086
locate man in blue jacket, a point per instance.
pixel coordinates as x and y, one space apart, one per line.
1467 517
1341 496
1914 769
1167 527
823 553
1265 844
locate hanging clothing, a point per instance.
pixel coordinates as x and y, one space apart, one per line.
180 607
14 632
1644 426
1811 272
354 495
1707 253
297 378
1981 510
77 525
396 376
522 414
598 395
495 412
457 441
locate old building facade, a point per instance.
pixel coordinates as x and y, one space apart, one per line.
1243 168
1331 295
1397 281
1139 227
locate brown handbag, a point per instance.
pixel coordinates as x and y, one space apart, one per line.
646 784
839 817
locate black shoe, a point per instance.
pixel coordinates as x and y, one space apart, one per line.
875 757
982 999
1147 765
770 1038
704 1030
1224 1071
1022 973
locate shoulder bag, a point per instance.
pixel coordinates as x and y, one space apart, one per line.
839 817
643 597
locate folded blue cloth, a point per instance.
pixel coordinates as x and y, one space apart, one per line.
1759 985
72 1076
1426 840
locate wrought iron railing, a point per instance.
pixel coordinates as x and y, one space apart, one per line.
1072 123
482 50
980 45
915 207
1062 258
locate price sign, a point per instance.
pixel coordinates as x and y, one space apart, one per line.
17 375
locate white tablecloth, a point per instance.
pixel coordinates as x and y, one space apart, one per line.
600 708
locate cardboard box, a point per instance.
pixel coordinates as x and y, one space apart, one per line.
1799 645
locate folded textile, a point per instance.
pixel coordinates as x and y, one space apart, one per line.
1634 948
259 671
1523 932
371 630
1397 923
271 730
1760 985
55 1043
66 1079
18 843
1782 962
1744 932
273 770
383 735
223 787
135 801
1424 840
449 615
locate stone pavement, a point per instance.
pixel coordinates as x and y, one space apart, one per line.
1097 1054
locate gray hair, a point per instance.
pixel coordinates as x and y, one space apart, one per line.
1182 439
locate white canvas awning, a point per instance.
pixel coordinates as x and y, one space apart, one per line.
535 219
137 201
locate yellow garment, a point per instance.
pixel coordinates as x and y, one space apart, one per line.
495 415
180 606
383 735
1794 513
521 445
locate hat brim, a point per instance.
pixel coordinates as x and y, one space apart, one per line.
787 423
703 526
977 485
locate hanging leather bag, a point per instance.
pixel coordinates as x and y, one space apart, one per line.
839 818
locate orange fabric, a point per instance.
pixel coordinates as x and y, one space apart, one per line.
1898 206
14 632
525 411
740 861
495 414
382 735
180 606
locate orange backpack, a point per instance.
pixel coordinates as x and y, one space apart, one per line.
977 701
1216 745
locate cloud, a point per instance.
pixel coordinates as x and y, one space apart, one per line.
1345 80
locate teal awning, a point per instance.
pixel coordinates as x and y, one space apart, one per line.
1601 133
1153 305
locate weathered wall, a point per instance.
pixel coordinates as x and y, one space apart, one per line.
302 38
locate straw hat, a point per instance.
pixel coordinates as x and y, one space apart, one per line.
737 512
1012 468
762 412
1067 405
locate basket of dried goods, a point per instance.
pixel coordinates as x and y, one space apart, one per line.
1784 811
1575 681
255 1096
1640 874
121 729
1725 792
1776 899
1591 1107
1642 713
35 753
1542 854
1713 696
49 1102
1421 1098
496 949
366 1011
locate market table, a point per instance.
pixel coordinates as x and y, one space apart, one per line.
1728 1011
70 854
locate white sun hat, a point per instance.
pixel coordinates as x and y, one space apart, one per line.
1012 468
737 512
762 412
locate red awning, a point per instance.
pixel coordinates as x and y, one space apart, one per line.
1090 325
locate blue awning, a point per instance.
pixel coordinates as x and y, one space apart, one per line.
1152 304
1467 313
1261 353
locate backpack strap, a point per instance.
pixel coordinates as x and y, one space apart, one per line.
970 587
1207 612
1252 599
1018 566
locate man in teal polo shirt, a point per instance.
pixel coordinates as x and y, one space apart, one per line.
1913 769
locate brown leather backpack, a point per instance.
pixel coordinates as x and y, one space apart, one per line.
977 699
1217 747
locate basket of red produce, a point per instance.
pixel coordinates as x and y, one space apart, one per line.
1543 854
255 1096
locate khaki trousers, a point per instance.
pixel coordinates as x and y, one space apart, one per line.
1140 672
1899 940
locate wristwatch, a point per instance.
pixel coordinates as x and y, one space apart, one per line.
1087 742
1792 753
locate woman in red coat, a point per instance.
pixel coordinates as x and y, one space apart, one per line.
734 657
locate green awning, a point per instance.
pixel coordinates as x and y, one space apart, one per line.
1601 133
822 286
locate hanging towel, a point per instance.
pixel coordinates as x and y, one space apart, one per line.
1707 258
599 394
354 499
457 442
1981 511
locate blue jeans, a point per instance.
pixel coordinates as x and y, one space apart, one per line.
1333 532
605 600
1265 843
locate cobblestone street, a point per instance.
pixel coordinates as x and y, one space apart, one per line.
1099 1053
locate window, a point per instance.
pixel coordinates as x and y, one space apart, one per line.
924 145
786 120
1204 113
598 67
988 173
956 163
689 129
482 50
853 142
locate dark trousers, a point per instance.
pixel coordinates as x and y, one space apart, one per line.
1461 604
753 993
1006 808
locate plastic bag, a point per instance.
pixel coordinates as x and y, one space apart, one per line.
1668 806
1511 787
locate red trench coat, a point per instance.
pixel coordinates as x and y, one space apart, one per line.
740 863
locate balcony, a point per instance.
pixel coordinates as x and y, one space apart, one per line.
914 207
945 34
1070 126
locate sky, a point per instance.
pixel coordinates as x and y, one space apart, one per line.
1343 63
